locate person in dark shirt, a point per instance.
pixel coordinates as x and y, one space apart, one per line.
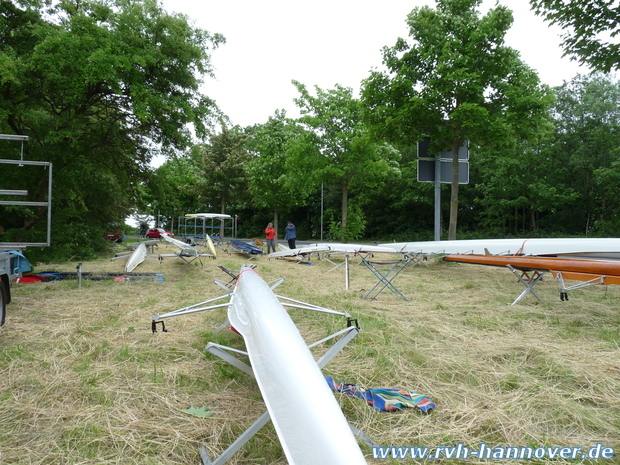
291 235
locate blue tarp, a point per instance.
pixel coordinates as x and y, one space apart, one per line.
244 247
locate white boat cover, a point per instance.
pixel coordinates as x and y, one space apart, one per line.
311 427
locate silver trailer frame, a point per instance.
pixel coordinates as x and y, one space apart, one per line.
7 271
48 204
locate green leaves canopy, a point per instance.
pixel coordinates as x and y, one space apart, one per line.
340 149
591 29
97 85
456 80
273 182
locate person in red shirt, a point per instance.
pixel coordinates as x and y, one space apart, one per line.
270 237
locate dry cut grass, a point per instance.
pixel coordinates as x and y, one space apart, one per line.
83 380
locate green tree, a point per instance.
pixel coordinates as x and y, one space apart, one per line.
272 181
456 80
221 162
97 85
173 190
403 207
340 149
591 28
566 183
523 191
587 118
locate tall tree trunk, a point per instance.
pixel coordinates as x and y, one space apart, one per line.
345 210
275 222
223 211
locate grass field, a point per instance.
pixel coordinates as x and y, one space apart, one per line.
83 380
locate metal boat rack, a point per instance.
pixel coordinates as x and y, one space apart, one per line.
22 193
386 278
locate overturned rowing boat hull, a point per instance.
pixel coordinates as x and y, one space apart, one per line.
245 248
588 247
300 252
305 414
137 257
356 248
580 269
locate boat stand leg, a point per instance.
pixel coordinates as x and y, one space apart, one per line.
388 282
529 285
336 265
237 443
417 259
217 350
189 262
362 437
377 274
344 264
383 278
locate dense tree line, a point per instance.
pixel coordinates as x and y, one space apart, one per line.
102 87
562 183
96 86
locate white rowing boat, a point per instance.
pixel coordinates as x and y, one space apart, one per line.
137 257
300 252
355 248
311 427
186 249
587 247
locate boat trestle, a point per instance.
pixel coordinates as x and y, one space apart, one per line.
528 281
223 352
385 278
585 280
291 358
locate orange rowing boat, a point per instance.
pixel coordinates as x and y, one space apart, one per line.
581 269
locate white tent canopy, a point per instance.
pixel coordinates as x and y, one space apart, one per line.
213 224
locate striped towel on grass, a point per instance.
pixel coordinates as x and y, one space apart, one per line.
385 400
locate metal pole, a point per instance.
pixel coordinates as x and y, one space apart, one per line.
322 212
437 198
49 207
346 271
79 271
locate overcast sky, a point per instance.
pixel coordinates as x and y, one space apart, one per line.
326 42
